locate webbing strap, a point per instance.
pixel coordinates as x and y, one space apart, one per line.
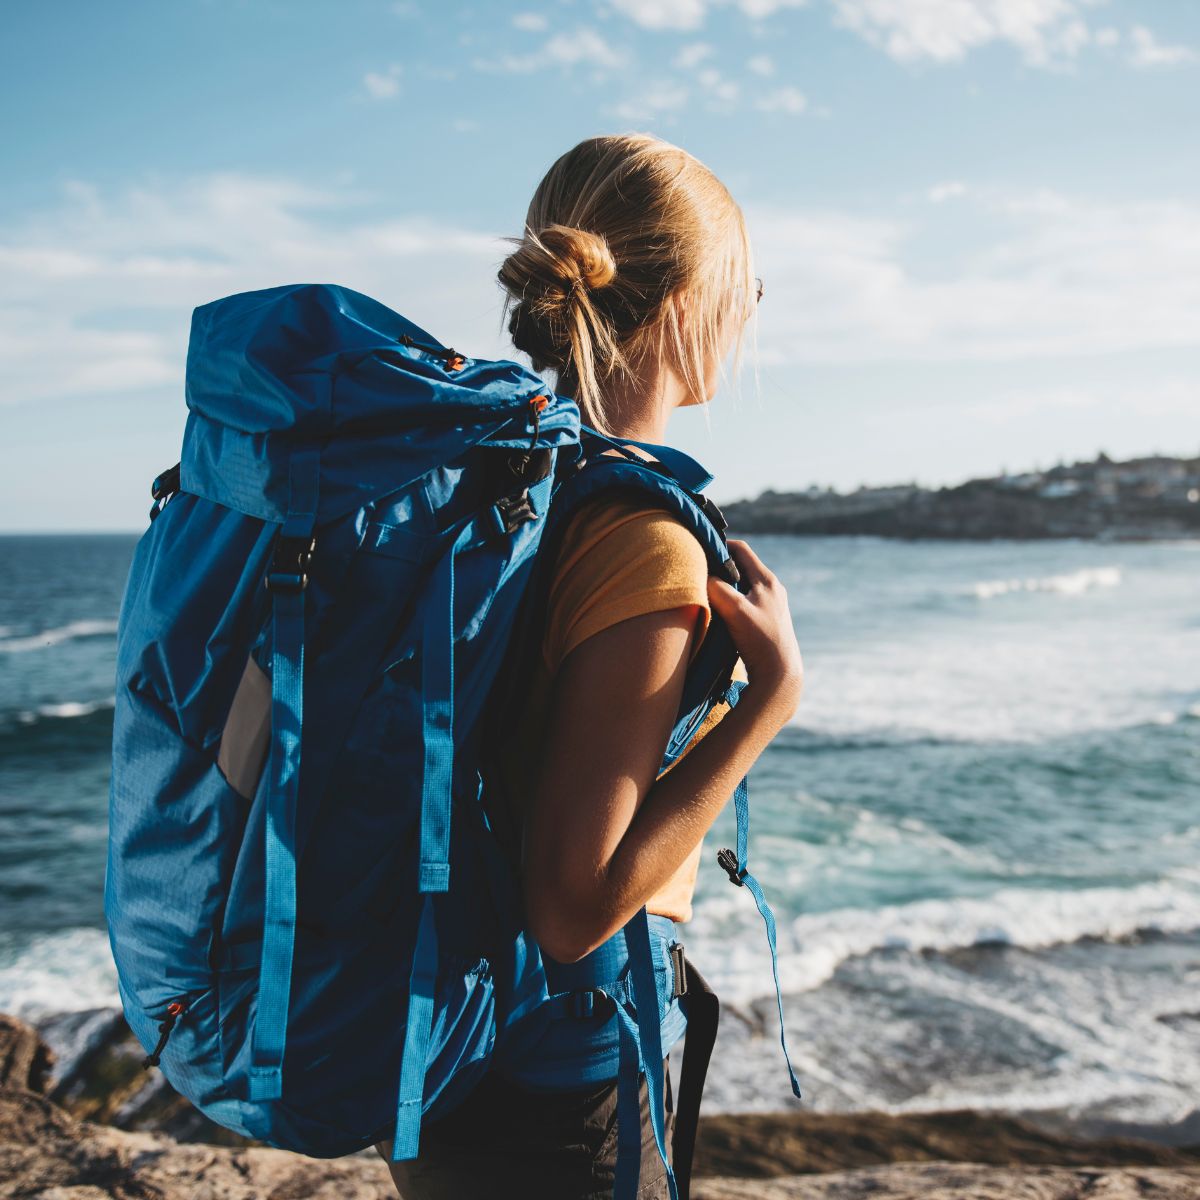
421 983
629 1115
703 1016
437 684
741 807
645 998
283 780
437 691
686 470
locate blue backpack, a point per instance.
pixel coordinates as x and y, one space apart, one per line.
311 900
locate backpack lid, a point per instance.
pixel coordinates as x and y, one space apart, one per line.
324 366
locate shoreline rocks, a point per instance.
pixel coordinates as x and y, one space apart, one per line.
47 1152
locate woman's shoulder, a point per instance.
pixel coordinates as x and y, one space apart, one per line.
622 557
624 523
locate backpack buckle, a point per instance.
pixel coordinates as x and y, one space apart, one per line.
712 512
582 1004
678 970
289 566
166 484
514 510
728 860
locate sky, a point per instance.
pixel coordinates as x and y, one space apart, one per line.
977 221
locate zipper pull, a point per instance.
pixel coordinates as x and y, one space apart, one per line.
175 1010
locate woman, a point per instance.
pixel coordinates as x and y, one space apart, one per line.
633 282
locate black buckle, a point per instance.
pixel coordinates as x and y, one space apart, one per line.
515 510
678 970
582 1004
728 860
167 484
289 567
713 513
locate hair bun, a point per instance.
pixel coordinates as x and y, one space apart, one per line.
553 262
584 255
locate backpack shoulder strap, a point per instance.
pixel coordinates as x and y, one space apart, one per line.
287 581
590 473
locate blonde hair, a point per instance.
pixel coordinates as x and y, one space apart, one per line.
618 226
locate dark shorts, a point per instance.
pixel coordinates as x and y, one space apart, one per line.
505 1140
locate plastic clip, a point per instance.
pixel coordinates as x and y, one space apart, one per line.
678 971
515 510
289 567
728 860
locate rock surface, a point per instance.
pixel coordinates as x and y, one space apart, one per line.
964 1181
46 1153
770 1144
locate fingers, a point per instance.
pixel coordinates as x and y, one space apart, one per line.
724 597
753 569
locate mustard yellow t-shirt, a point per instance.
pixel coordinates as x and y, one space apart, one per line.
617 559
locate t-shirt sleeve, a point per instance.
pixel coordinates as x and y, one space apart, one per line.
618 560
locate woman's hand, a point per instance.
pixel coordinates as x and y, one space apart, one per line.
760 623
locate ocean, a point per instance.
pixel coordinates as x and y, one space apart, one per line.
981 834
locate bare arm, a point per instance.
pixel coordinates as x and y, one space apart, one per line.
602 836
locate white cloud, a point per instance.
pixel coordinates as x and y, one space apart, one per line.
1108 36
1043 31
530 22
758 9
1148 51
761 64
1047 274
383 85
663 14
1046 33
582 46
941 192
719 89
660 98
693 54
691 14
96 293
784 99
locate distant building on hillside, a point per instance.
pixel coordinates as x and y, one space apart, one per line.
1155 496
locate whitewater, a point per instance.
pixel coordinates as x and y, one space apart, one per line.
980 833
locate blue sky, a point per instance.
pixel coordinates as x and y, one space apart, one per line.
978 220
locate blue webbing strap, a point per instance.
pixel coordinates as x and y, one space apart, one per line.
686 470
421 985
741 807
437 687
629 1116
283 780
645 998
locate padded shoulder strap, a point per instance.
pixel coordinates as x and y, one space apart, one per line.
591 474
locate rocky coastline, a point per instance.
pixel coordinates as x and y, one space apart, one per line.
105 1129
1135 500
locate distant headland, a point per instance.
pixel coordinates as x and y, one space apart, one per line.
1135 500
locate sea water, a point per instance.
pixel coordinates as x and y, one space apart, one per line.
980 835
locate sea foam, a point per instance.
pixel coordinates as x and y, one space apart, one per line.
730 942
54 637
1071 583
66 971
65 710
